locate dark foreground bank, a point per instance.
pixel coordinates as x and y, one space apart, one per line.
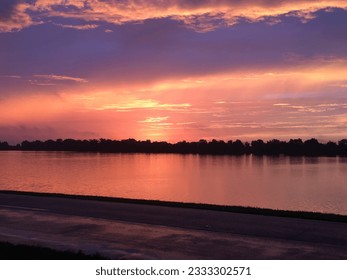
10 251
128 229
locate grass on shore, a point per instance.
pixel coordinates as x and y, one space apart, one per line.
10 251
234 209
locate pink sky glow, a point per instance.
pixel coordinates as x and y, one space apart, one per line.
173 70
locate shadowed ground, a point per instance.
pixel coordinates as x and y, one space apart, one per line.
134 231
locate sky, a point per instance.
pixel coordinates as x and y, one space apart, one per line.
173 70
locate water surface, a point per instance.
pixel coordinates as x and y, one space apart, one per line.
290 183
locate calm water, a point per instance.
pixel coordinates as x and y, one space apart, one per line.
310 184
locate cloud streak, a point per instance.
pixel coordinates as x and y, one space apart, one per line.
136 104
61 78
78 27
10 76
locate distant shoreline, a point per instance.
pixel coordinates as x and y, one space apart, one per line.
274 147
234 209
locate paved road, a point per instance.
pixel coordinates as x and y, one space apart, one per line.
126 230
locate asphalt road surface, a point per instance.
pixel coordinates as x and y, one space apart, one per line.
134 231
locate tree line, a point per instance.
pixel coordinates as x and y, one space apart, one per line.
294 147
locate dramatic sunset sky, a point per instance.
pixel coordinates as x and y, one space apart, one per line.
173 70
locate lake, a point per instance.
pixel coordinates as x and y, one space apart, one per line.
289 183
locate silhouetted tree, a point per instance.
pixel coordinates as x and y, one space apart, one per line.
238 148
275 147
295 147
4 146
331 149
342 147
312 147
258 147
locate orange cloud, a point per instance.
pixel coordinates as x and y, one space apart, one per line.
199 15
184 95
16 18
314 76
